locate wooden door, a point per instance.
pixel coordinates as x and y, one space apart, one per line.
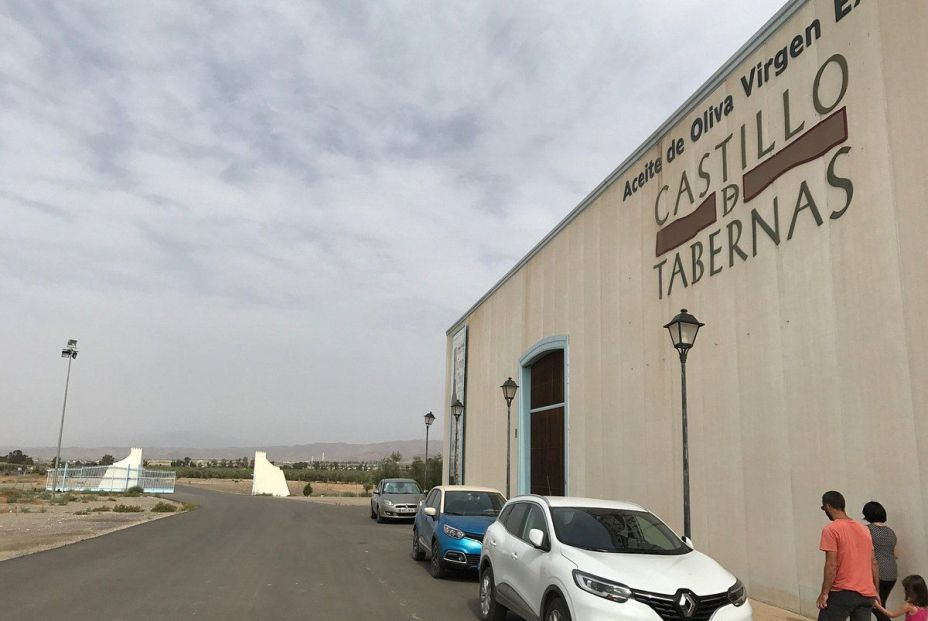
547 425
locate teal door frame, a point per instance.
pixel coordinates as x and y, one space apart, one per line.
536 351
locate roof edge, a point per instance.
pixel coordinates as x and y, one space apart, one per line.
714 81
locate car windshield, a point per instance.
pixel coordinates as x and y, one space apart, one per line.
614 530
401 487
473 503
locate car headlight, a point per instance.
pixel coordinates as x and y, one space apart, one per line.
613 591
737 594
388 502
451 531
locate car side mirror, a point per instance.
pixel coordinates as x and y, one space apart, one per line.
689 543
430 511
537 538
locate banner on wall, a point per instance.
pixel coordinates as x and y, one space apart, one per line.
458 391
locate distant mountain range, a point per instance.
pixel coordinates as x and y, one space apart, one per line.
332 451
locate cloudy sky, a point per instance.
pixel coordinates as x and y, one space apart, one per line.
259 218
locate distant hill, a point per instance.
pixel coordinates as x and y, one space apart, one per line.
333 451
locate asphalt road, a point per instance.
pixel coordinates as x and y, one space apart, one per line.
238 557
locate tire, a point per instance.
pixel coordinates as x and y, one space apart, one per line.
418 554
373 515
557 610
490 609
435 566
380 519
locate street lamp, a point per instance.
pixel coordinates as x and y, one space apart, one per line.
69 352
683 329
457 408
429 419
509 393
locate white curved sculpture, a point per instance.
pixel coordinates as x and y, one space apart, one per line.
268 478
124 474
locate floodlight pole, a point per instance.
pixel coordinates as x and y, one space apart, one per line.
70 352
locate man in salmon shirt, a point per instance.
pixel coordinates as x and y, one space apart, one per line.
852 575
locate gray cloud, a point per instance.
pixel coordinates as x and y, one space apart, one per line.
259 219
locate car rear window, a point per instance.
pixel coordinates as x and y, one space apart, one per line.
615 530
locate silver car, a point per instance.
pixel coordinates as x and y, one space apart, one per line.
395 499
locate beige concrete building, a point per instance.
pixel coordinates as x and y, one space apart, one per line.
784 204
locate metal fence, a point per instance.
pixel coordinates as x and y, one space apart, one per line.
110 479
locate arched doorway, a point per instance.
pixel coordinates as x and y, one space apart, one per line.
546 424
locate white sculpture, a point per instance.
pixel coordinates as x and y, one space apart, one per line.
124 474
268 478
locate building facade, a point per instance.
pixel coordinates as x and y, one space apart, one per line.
784 204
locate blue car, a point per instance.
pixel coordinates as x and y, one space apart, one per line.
450 525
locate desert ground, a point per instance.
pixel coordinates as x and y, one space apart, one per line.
31 522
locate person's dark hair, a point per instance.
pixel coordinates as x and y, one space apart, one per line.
833 499
916 593
874 512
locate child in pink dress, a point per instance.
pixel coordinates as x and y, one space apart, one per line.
915 606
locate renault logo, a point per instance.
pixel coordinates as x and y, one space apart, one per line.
686 603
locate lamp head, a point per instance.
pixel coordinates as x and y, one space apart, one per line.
509 390
429 419
683 329
71 350
457 408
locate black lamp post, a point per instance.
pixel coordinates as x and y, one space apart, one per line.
509 392
683 329
429 419
457 408
69 352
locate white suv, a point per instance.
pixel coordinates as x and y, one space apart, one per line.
560 558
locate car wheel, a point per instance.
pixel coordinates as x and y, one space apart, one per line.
490 609
435 567
380 519
418 553
557 610
373 515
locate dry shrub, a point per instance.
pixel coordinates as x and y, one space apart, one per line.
127 509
